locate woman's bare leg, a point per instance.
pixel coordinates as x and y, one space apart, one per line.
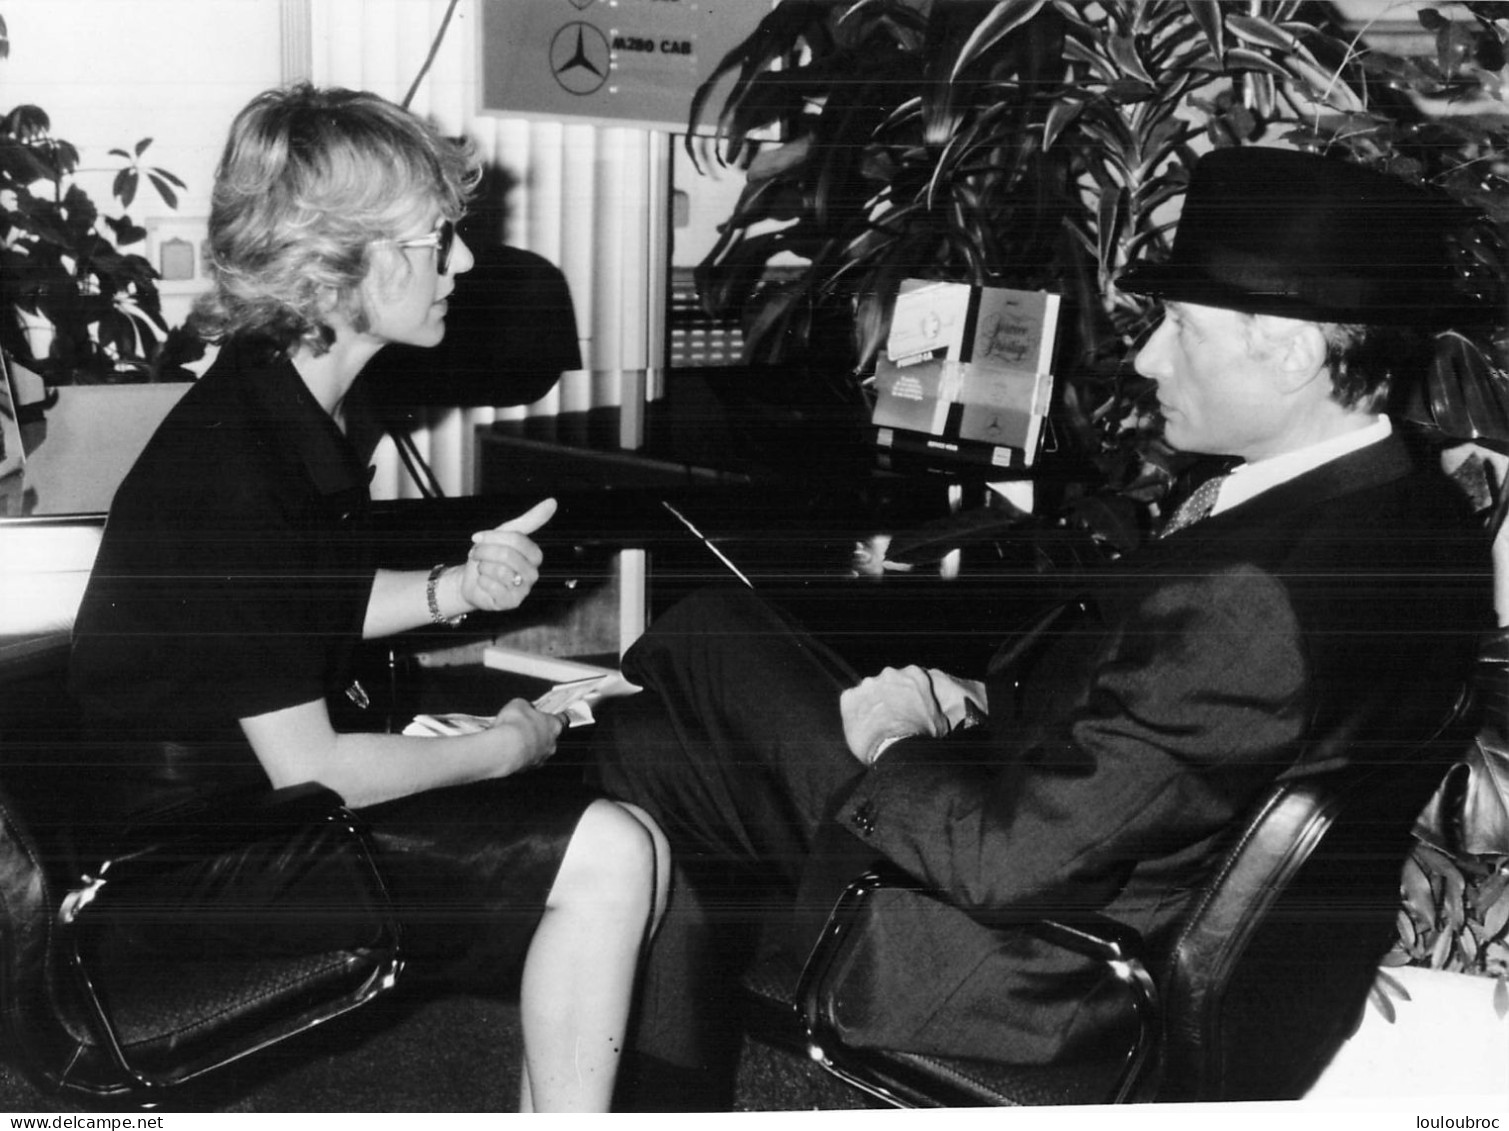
662 862
579 975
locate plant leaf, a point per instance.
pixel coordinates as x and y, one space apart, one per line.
1060 115
1080 52
1002 20
1112 210
1255 29
125 232
1496 917
1387 987
1123 51
1441 952
1418 895
124 188
169 177
1328 88
1246 59
1207 14
779 160
1405 926
65 156
28 123
170 198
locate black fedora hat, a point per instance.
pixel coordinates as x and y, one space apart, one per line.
1275 231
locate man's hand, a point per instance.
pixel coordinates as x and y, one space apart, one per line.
897 703
504 563
955 695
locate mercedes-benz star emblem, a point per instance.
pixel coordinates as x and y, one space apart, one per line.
580 58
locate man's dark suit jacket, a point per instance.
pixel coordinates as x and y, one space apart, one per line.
1328 619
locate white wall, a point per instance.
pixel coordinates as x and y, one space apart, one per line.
110 72
94 434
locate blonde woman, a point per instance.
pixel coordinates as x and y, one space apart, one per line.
233 586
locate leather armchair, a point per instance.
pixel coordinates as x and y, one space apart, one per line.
1263 982
223 927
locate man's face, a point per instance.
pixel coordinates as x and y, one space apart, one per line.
1218 384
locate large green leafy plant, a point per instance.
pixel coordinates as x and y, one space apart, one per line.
1038 143
1455 917
95 300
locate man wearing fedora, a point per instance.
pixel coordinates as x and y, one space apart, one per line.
1317 605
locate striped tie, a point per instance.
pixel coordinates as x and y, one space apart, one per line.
1196 507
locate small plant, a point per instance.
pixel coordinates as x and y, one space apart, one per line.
1454 905
1455 916
96 301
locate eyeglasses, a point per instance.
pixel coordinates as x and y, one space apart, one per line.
442 239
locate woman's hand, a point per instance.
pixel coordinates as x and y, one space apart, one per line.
504 563
526 737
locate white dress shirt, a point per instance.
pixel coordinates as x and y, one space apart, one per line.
1250 479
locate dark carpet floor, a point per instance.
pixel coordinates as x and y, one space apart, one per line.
447 1055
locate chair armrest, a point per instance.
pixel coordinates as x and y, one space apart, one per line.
1095 936
220 821
1088 933
1092 935
279 884
234 849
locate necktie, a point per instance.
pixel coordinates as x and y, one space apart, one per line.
1194 508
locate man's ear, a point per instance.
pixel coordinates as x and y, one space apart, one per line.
1299 350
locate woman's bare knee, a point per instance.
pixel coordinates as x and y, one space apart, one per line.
609 863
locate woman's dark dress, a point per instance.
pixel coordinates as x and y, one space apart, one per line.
233 580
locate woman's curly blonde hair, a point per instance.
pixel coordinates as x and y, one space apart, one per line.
309 181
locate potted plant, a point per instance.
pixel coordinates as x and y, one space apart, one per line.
65 267
1043 144
1438 1016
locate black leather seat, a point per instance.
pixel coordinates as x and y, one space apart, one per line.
1265 980
162 965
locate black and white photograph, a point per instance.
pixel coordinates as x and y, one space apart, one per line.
736 558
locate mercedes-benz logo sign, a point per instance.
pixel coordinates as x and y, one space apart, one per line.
580 58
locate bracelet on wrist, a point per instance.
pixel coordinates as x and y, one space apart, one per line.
432 600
